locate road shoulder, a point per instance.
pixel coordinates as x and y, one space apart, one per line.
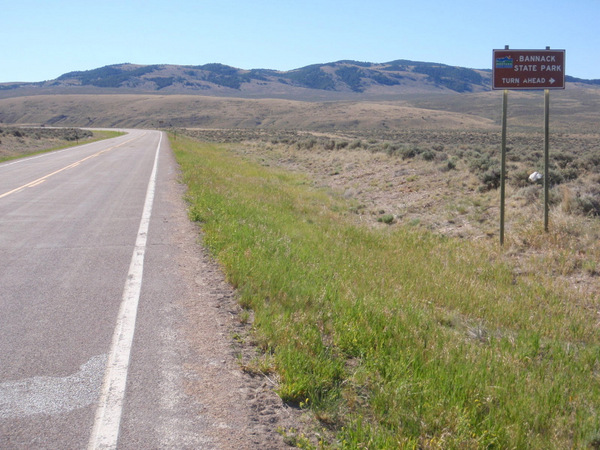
239 410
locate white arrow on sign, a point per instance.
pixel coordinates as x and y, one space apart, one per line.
552 81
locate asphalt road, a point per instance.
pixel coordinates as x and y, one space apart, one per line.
86 261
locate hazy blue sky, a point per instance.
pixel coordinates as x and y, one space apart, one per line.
42 39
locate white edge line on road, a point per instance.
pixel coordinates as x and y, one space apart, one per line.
110 406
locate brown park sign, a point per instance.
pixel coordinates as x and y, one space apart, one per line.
529 69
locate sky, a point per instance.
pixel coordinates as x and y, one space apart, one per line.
42 39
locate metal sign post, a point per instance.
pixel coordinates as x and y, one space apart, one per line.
546 157
527 70
503 168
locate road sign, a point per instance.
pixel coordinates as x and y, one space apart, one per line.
528 69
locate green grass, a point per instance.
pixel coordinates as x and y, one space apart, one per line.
394 337
98 136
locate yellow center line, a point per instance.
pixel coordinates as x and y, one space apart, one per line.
76 163
35 184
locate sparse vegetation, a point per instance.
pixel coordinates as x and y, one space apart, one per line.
163 82
223 75
351 76
110 76
311 77
348 73
478 150
37 134
455 78
16 142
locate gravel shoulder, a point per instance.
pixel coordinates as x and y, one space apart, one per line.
241 410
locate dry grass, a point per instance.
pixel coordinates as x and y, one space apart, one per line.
16 142
197 111
422 192
572 110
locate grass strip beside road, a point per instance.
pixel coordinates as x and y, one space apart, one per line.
394 338
98 135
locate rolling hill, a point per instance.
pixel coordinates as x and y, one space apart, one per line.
331 81
341 80
324 97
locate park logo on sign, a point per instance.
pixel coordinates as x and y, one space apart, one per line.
504 63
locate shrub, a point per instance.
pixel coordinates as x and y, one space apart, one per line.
73 134
569 173
592 161
563 159
450 165
520 178
589 205
491 177
481 163
530 194
386 218
428 155
329 145
307 143
409 152
555 177
391 149
356 144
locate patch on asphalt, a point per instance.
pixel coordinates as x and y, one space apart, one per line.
53 395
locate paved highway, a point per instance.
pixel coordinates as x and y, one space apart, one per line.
89 283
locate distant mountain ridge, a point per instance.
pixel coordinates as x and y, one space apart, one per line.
341 79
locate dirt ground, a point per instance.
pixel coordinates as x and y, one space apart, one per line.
415 192
240 406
